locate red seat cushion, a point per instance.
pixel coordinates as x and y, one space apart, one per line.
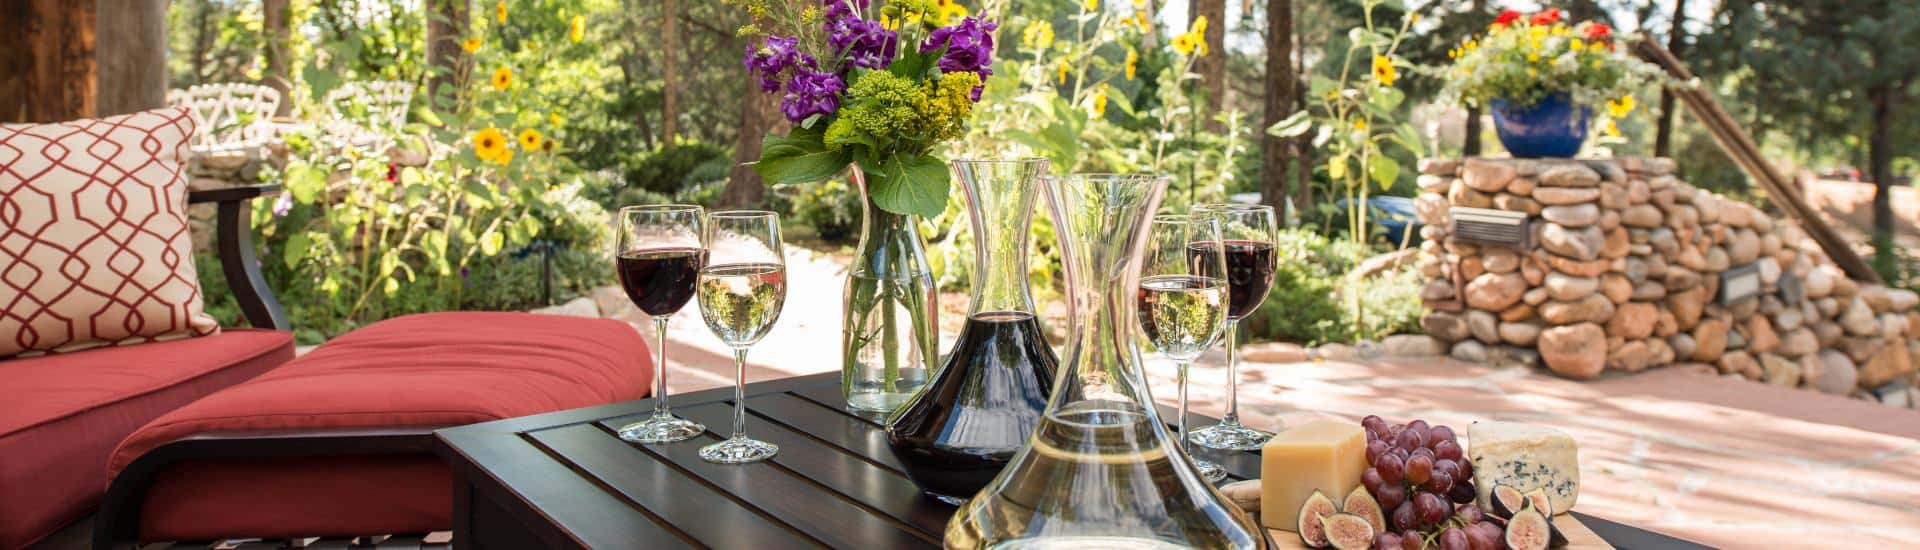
422 371
63 414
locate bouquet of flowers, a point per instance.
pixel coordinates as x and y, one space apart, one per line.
876 89
1523 59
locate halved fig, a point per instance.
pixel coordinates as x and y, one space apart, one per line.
1506 501
1540 502
1361 504
1312 515
1528 530
1348 532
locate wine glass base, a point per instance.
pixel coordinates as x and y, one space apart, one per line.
738 450
661 429
1229 437
1209 471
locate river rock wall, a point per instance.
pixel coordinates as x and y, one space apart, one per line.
1623 272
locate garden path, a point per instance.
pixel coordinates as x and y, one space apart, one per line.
1722 462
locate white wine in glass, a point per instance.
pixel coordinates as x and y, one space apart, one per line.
741 290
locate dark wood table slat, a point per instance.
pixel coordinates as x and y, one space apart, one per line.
878 488
824 516
845 431
691 507
569 509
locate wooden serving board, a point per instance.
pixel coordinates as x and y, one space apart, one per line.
1579 537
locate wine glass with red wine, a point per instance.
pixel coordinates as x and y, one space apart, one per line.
662 248
1248 233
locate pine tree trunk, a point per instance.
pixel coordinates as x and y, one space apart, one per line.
758 115
1212 66
1276 151
277 26
1472 145
202 40
131 56
447 23
1676 41
53 78
669 108
1880 161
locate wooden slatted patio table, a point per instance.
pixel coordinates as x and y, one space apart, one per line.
564 480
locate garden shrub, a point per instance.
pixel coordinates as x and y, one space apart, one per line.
667 170
1313 301
831 208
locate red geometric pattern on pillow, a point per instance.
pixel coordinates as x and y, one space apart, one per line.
93 234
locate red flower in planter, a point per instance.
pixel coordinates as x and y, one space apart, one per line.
1548 17
1506 18
1598 31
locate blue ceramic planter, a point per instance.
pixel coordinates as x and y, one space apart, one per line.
1551 128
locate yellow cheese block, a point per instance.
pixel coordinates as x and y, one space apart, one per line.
1324 455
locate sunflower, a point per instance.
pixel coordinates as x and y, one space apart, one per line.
505 158
1100 101
490 144
1092 5
577 30
530 139
1620 107
1184 44
1383 70
1133 63
472 44
502 78
500 12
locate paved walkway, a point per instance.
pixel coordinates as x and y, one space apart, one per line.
1726 463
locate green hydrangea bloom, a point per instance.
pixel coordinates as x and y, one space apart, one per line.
894 114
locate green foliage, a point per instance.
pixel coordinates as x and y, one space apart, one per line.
831 208
668 170
1313 301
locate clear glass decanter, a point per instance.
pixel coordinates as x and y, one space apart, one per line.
980 408
1100 470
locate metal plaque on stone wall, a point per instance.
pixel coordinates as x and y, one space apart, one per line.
1490 227
1739 283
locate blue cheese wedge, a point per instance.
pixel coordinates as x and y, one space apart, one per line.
1524 457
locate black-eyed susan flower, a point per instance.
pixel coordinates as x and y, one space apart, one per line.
490 144
577 30
502 78
1384 71
530 139
472 44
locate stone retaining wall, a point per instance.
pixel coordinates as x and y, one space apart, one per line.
1623 273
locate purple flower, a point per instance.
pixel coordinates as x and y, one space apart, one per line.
969 48
812 92
282 205
841 9
861 42
773 57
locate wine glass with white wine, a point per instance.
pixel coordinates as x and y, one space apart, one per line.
741 290
1183 302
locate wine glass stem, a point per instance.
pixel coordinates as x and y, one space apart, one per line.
660 368
1185 445
739 392
1233 373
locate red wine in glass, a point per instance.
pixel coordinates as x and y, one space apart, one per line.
1249 273
660 280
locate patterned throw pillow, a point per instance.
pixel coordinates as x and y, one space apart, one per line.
93 234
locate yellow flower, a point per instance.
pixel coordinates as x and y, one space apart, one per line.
951 12
1063 72
1613 130
1620 107
472 44
502 78
500 12
1133 63
1383 70
1100 101
1360 124
1199 27
889 23
530 139
505 157
1185 44
1091 5
1533 56
489 144
1038 35
577 31
1577 45
554 118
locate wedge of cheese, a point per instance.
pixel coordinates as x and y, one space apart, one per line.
1324 455
1524 457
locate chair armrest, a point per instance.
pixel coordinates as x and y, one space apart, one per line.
235 236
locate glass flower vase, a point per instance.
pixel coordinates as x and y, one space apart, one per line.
889 336
1101 470
981 405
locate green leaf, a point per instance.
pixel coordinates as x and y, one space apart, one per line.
1294 126
490 242
306 182
916 185
1384 170
530 226
799 157
911 63
296 249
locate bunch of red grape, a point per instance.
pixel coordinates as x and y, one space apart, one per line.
1418 473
